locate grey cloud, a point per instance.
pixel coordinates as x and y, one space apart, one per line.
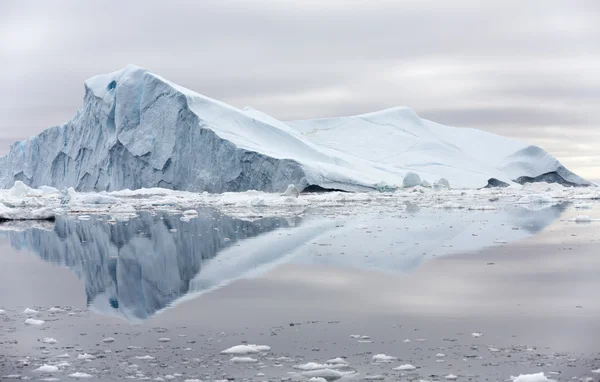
509 67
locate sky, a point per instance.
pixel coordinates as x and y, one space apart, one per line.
524 69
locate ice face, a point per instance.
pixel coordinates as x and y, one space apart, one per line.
136 129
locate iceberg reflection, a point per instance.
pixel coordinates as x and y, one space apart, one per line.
133 269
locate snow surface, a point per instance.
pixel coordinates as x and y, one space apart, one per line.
135 122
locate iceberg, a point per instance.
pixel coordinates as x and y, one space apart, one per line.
138 130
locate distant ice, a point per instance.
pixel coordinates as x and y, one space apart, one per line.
80 375
34 322
86 356
246 349
47 369
49 341
243 360
407 367
383 358
30 312
538 377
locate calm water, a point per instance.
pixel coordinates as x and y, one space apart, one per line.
526 280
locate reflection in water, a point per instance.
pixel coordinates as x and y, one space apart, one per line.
135 268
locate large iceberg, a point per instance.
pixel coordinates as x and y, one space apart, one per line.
138 130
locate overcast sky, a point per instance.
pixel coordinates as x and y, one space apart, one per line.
526 69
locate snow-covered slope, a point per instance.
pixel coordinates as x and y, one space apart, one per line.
137 130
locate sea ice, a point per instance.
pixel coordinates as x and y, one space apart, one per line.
538 377
243 360
34 322
47 369
246 349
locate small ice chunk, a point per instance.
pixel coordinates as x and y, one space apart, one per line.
164 339
313 366
246 349
440 355
145 357
406 341
47 369
337 361
374 378
2 312
49 341
243 360
317 379
538 377
108 340
56 309
476 334
190 212
66 355
407 367
597 371
383 358
291 191
63 364
328 374
86 356
34 322
80 375
411 179
582 219
451 377
30 312
355 336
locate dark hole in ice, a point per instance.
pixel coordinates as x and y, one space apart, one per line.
111 85
113 302
493 182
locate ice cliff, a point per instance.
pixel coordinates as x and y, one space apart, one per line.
138 130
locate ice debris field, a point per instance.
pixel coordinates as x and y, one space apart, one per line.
138 130
24 203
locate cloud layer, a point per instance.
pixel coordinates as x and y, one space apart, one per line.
530 70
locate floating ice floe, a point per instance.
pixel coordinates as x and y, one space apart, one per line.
383 358
407 367
30 312
243 360
56 309
108 340
537 377
476 335
451 377
34 322
583 219
49 341
319 366
86 356
145 357
47 369
80 375
246 349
